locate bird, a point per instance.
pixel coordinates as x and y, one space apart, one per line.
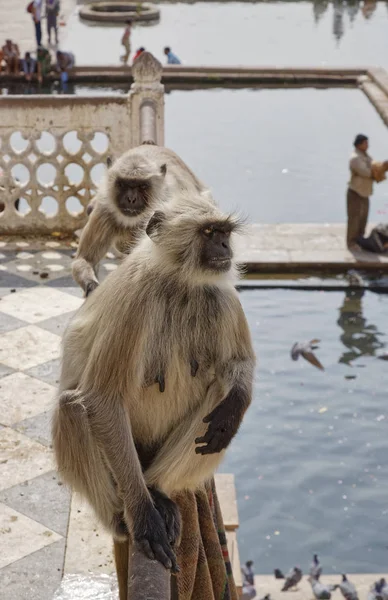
305 349
267 597
278 574
348 589
383 356
292 579
315 568
321 591
383 588
376 591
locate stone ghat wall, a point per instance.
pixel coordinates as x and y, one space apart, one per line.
53 149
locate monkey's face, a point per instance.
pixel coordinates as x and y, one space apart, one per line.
216 253
198 244
133 196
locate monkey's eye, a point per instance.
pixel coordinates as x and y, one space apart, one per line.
208 231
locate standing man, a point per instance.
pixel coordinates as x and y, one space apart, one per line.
172 58
359 189
37 16
126 41
52 11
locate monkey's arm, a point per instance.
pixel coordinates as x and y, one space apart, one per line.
111 428
95 241
225 419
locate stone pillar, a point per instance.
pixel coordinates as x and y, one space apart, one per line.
147 101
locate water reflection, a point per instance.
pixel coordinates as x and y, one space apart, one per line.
358 337
341 8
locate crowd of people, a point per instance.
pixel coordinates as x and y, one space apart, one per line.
172 58
35 64
41 62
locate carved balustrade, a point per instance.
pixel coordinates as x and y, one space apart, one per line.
54 149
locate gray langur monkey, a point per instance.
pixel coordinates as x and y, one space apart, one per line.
156 377
134 186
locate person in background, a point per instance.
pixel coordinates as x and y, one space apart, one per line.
172 59
52 11
126 41
44 63
360 188
28 66
37 17
138 52
11 56
65 61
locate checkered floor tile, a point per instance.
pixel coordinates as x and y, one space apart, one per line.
37 298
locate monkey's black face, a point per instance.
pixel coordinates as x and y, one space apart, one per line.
216 251
132 196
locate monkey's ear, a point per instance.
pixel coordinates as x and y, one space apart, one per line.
163 169
155 222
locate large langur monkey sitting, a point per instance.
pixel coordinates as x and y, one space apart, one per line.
170 313
134 186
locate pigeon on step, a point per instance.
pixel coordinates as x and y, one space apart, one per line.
315 568
278 574
321 591
348 589
292 579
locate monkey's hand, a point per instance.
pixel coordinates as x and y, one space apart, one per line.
170 513
90 287
151 537
224 422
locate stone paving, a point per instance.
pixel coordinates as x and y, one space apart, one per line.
34 506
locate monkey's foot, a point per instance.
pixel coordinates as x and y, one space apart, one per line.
151 537
90 287
170 514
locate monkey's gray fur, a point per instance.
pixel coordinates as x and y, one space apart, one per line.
163 174
121 438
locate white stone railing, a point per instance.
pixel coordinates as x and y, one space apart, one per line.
54 149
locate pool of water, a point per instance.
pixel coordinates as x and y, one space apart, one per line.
263 33
310 458
276 155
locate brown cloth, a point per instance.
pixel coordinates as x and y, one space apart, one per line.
378 171
205 568
358 209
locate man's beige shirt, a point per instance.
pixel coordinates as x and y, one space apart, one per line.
361 180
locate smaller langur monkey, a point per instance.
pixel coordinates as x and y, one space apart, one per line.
156 377
133 187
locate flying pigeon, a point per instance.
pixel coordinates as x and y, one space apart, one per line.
315 568
305 349
292 579
348 589
278 574
321 591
